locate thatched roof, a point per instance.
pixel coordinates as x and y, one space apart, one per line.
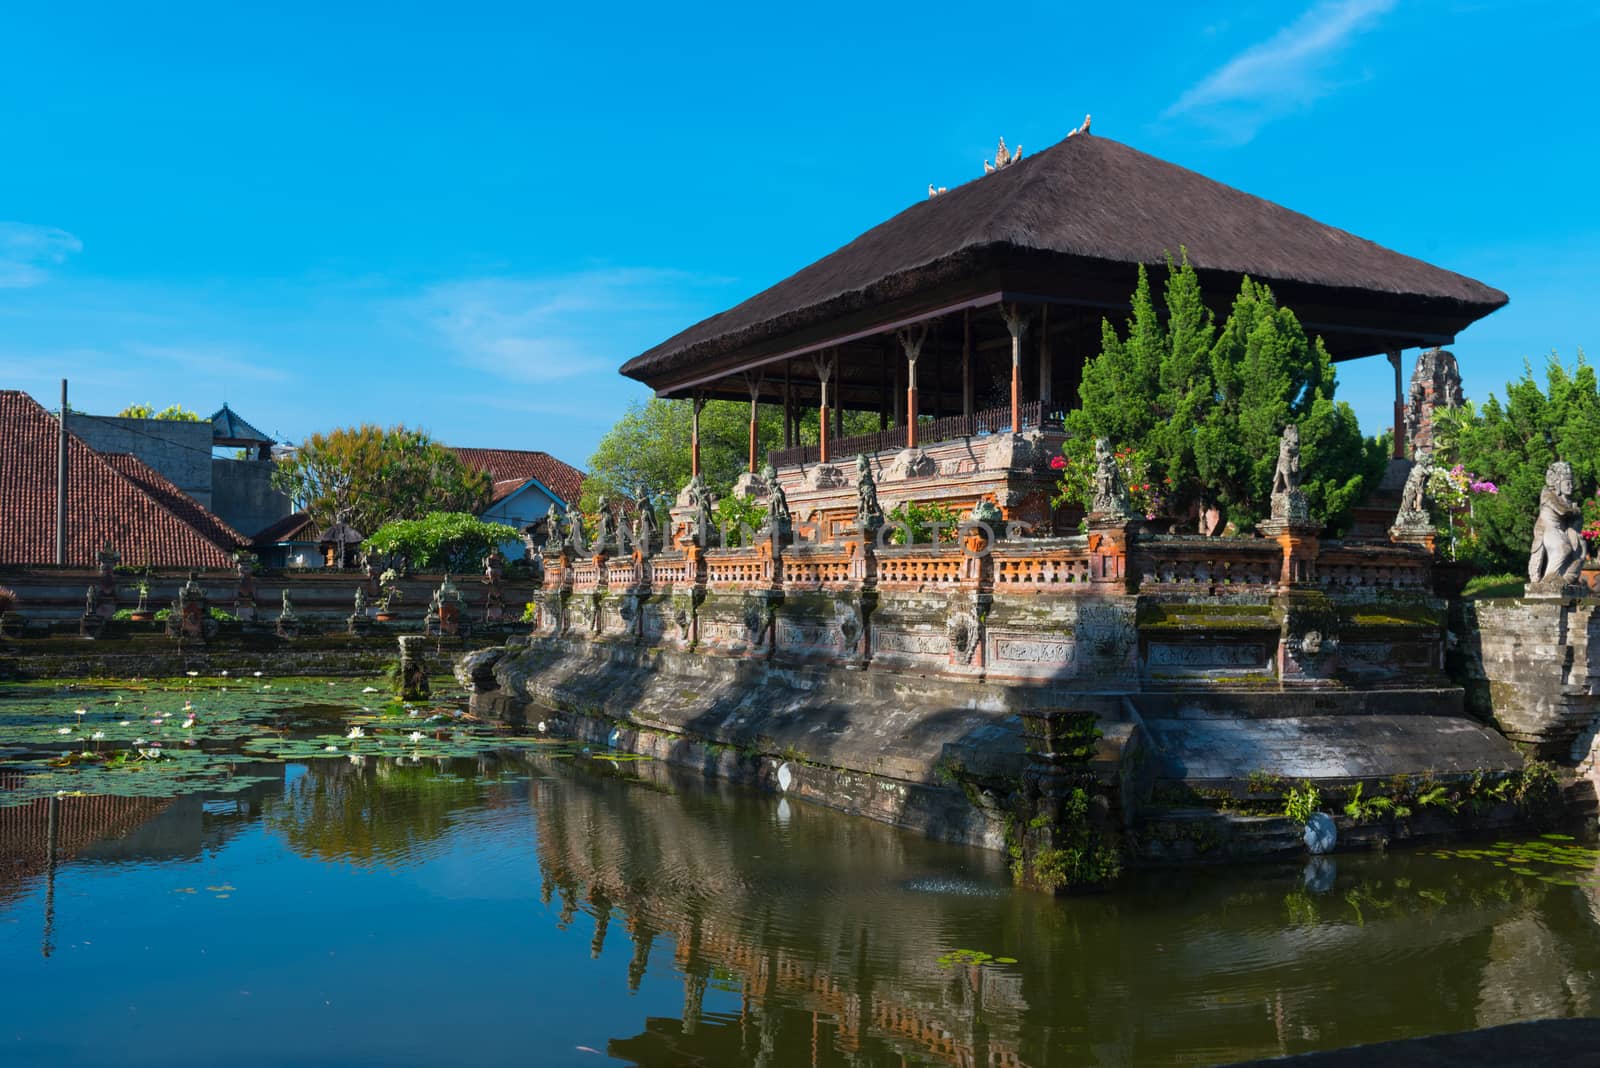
1071 223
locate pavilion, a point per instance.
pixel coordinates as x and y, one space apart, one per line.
973 312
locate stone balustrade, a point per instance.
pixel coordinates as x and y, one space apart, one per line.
1056 566
671 570
626 573
830 566
747 568
587 575
1178 563
922 568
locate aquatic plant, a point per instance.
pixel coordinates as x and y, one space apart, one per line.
1302 802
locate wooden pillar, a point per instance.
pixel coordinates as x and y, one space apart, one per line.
698 402
824 365
1046 371
966 367
911 342
838 404
884 389
753 384
1017 323
1399 408
788 408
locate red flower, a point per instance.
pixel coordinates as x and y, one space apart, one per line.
1057 463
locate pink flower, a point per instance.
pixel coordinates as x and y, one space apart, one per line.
1057 463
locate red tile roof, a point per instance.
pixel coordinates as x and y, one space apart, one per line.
102 504
175 500
506 465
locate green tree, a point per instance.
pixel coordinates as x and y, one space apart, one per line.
1510 444
648 448
439 541
1205 406
174 412
366 476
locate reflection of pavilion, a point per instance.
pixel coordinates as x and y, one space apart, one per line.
817 992
834 963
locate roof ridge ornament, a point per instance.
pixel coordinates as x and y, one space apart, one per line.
1003 157
1081 129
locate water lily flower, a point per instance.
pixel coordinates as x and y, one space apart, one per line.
98 736
415 736
224 672
124 722
330 749
140 741
356 732
541 726
369 689
188 706
257 674
63 730
192 674
188 723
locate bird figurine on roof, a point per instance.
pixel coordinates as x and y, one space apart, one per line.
932 192
1001 156
1082 129
988 168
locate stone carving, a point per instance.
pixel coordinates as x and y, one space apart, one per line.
698 498
444 611
357 623
961 630
577 538
554 535
1556 558
1110 496
1413 518
779 522
189 617
850 623
869 513
494 602
1289 502
413 669
1435 384
749 484
603 526
911 463
824 476
244 599
646 534
288 622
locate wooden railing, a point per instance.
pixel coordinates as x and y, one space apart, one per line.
929 432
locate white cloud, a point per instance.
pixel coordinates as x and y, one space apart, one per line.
535 330
27 252
1285 73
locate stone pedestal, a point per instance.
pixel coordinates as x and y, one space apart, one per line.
1543 682
1297 537
413 668
1110 537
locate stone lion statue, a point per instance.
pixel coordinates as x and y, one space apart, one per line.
1557 553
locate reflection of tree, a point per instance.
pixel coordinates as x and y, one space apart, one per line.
374 812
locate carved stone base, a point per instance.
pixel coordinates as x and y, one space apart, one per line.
825 476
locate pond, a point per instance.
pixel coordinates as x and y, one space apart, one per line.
434 892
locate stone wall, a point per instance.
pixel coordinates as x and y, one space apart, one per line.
242 495
1528 665
55 595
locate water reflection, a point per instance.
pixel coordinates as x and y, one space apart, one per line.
795 936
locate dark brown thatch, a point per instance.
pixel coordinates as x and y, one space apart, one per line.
1072 223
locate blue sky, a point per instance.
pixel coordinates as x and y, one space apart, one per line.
465 218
